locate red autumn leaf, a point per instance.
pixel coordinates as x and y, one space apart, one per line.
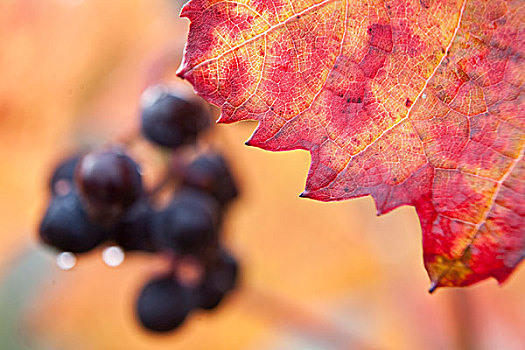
412 102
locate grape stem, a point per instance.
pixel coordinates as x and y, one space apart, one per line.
165 180
130 137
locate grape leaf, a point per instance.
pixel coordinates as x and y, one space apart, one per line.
412 102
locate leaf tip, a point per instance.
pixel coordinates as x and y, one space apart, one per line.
184 10
251 143
222 120
433 286
304 194
181 71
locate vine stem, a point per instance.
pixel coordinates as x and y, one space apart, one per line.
284 312
173 161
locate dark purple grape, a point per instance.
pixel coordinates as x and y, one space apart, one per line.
133 230
189 224
61 181
170 120
210 172
164 304
67 227
220 278
109 181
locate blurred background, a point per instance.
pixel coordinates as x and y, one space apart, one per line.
316 275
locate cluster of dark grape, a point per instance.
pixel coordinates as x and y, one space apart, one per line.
99 198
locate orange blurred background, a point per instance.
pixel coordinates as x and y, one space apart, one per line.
316 275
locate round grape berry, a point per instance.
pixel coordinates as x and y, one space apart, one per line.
67 227
220 278
164 304
188 225
170 120
210 172
109 181
61 181
133 229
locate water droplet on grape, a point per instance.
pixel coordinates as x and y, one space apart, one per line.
113 256
63 187
66 261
